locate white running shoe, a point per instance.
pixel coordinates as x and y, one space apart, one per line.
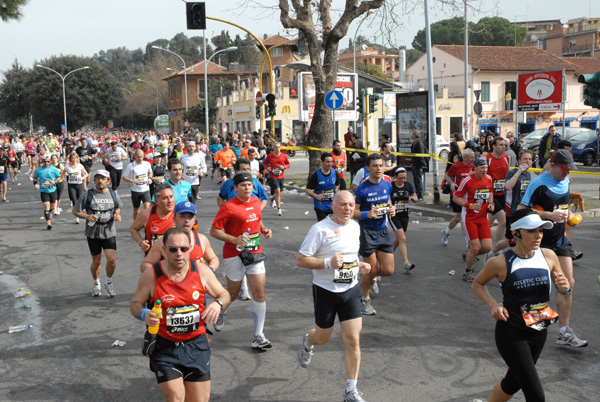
305 355
96 290
445 235
110 289
261 342
244 294
279 213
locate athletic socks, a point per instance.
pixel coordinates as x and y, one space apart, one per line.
350 385
259 312
108 280
96 282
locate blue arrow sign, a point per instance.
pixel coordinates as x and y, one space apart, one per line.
334 100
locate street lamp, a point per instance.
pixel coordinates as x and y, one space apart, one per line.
184 71
229 49
141 80
63 86
130 93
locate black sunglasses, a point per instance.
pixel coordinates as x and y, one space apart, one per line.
173 250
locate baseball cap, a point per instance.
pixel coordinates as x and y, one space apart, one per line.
185 207
564 159
157 155
102 172
532 221
50 134
480 161
241 177
191 143
46 157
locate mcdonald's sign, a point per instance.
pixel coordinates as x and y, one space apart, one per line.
287 109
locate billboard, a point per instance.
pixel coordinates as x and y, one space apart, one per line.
540 91
389 107
161 124
412 113
346 84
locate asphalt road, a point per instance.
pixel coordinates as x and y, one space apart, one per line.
431 340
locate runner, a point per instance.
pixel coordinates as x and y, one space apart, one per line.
225 158
86 153
339 162
101 208
322 186
455 175
498 167
156 220
182 189
60 184
30 152
214 148
4 169
475 196
330 251
181 357
402 192
52 144
76 175
255 165
389 160
550 193
194 168
376 247
113 159
239 224
201 251
13 161
275 165
159 172
139 173
48 176
524 314
148 152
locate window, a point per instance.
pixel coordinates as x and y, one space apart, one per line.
485 91
277 52
456 125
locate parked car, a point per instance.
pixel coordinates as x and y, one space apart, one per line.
585 146
532 140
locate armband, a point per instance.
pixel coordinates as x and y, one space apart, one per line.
468 205
212 269
564 291
363 215
143 314
327 263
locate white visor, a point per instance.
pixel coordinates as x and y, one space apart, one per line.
532 221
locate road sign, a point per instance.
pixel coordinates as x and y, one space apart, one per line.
259 98
334 100
540 91
186 124
224 128
477 108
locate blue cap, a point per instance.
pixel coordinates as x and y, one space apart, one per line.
185 207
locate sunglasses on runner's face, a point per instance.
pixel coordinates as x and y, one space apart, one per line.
173 250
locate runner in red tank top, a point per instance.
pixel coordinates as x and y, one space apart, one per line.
181 356
339 162
185 217
155 220
498 167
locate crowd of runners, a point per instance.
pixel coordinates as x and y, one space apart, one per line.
349 249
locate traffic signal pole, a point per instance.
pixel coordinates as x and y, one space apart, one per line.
367 121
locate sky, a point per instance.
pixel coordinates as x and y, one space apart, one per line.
84 27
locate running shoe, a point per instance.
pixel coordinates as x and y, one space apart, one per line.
244 294
261 342
353 396
198 197
305 355
469 275
218 326
57 211
409 266
374 288
110 289
273 204
48 225
569 338
219 181
77 221
366 307
279 213
445 235
96 290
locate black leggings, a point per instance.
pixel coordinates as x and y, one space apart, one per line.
194 192
115 177
520 349
60 186
75 191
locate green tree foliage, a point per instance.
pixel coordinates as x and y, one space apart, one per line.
412 55
92 94
121 62
444 32
185 47
370 69
247 52
13 104
11 9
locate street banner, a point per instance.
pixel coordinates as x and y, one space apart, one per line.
542 91
346 84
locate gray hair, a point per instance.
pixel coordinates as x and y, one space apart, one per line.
467 152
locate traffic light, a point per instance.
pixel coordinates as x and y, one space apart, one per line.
373 102
591 91
202 114
271 106
360 102
196 15
257 112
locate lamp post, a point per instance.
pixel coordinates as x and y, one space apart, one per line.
63 86
184 71
229 49
130 93
141 80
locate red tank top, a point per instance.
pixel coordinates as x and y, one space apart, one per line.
182 304
339 160
197 254
156 227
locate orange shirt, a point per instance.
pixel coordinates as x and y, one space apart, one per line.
225 157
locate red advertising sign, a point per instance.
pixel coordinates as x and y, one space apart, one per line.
540 91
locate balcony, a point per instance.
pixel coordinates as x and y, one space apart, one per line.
579 50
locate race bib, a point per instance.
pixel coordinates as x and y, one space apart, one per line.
47 184
524 185
401 206
142 179
562 207
11 159
388 163
183 319
328 195
499 185
84 158
114 158
155 237
347 273
74 178
481 195
339 169
1 169
539 316
253 242
382 210
191 171
277 171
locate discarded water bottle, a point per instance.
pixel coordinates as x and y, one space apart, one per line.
240 247
18 328
436 218
22 292
415 222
